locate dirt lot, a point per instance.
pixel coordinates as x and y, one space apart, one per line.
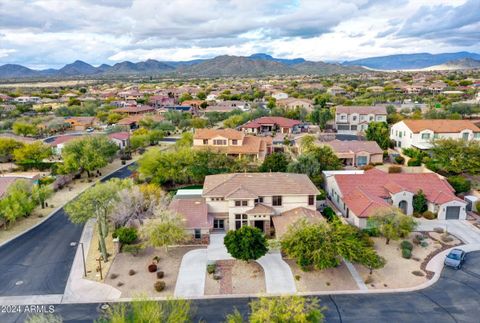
237 277
397 272
142 281
338 278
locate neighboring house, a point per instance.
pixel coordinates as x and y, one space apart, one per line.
354 119
336 90
27 99
59 142
160 101
422 133
277 95
212 96
139 109
233 143
132 122
268 125
8 179
121 139
81 123
292 103
358 194
357 153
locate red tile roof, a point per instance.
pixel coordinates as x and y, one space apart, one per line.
279 121
119 135
194 211
63 139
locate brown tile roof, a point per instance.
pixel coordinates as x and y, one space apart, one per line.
119 135
360 109
194 210
355 146
283 221
82 120
363 193
261 209
280 121
212 133
440 125
5 182
262 184
134 109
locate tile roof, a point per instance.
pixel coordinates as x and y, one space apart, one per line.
361 109
363 193
119 135
261 209
440 125
283 221
355 146
207 133
134 109
5 182
261 184
63 139
280 121
194 210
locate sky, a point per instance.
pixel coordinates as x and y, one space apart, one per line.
51 33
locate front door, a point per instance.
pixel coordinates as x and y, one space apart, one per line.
260 225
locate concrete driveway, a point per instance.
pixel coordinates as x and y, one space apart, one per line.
191 276
462 229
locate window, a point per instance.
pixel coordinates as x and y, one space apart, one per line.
240 220
311 200
205 141
425 136
465 136
241 203
276 200
353 127
220 142
343 127
343 117
245 203
234 142
217 198
354 118
435 135
198 234
259 200
218 224
400 134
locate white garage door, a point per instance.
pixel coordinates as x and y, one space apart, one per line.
453 213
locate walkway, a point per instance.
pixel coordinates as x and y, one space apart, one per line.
462 229
356 276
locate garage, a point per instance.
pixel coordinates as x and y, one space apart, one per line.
453 213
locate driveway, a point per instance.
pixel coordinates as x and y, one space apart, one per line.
462 229
191 276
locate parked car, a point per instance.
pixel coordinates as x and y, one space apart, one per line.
455 258
90 129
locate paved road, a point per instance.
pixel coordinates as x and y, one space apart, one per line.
39 262
454 298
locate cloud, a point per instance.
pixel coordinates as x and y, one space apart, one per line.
57 32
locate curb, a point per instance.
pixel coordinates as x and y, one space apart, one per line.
60 207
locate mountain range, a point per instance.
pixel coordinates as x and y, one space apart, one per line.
254 65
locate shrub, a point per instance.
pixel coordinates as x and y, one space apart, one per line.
460 184
329 213
446 238
429 215
406 245
406 253
418 273
424 244
368 167
394 169
133 249
113 276
399 160
414 162
369 280
372 232
152 268
159 285
417 215
438 230
418 239
126 235
297 277
160 274
131 272
120 284
211 268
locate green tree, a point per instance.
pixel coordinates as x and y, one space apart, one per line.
234 121
246 243
460 184
456 156
392 223
276 162
201 95
419 202
33 153
166 230
198 123
185 141
321 117
24 129
97 202
87 154
114 118
185 97
378 131
7 147
40 193
286 309
16 202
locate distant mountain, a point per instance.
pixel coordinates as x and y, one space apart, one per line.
254 65
464 63
410 61
266 57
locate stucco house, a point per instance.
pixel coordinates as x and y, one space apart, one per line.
357 153
422 133
358 194
355 119
268 125
233 143
121 139
230 201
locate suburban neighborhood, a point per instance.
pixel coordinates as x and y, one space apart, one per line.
184 176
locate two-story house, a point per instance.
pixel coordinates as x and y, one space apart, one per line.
422 133
233 143
263 200
359 194
355 119
269 125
